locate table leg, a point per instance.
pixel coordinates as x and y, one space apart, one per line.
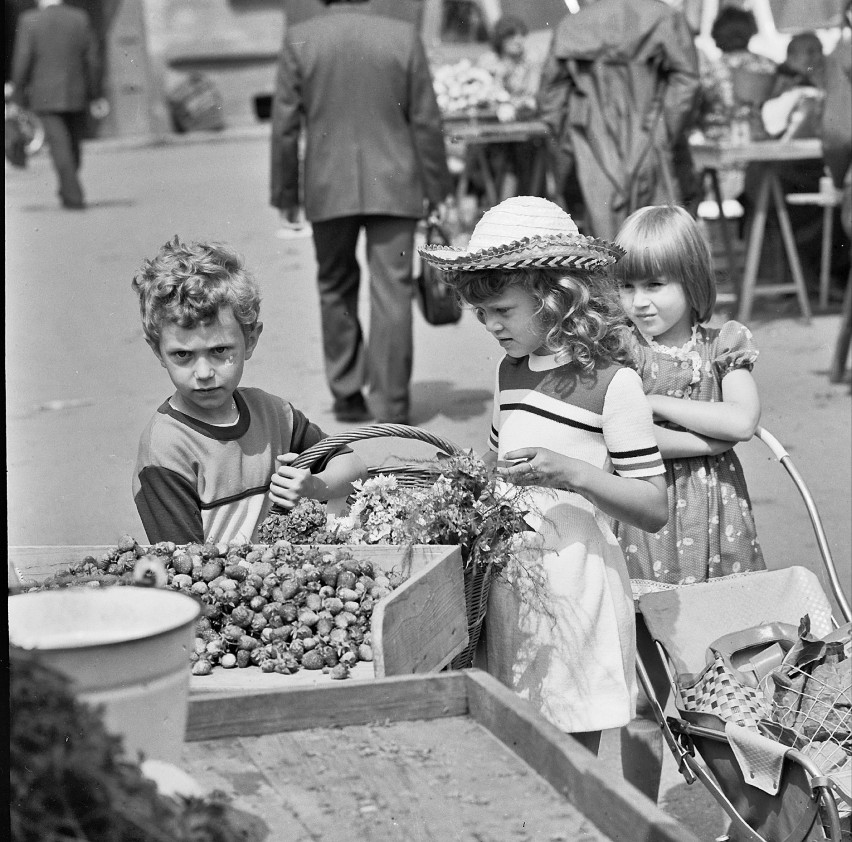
491 189
790 244
726 233
755 246
844 337
825 255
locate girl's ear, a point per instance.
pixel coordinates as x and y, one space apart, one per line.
252 338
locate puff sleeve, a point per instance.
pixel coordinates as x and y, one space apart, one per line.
734 349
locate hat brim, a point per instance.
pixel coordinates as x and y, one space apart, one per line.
561 251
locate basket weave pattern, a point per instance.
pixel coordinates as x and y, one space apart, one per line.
477 577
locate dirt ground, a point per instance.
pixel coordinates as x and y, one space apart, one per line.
81 383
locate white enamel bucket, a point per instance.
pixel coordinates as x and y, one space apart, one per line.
126 648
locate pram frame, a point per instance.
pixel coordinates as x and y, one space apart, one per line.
679 734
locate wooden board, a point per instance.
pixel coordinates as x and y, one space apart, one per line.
419 627
437 757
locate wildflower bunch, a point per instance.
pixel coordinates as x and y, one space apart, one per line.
468 505
379 512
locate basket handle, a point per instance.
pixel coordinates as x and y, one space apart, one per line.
332 443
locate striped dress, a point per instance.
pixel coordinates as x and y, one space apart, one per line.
560 624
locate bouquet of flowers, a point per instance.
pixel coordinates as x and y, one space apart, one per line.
464 89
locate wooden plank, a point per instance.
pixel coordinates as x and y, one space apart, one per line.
356 703
429 780
616 808
422 625
722 155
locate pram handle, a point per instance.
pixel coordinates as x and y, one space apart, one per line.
819 531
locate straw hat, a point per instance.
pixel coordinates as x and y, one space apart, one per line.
525 231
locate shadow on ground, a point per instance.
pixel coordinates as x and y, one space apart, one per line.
104 203
440 397
695 808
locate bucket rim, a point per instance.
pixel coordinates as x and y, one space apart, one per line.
182 617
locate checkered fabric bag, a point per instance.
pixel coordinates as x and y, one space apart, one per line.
719 690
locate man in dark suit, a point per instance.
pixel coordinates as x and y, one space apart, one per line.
56 72
359 84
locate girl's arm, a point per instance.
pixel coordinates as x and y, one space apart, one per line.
640 502
734 418
682 444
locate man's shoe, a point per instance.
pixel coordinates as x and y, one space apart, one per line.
352 409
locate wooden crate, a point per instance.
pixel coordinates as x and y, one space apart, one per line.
419 627
434 757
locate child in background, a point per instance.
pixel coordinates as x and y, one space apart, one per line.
573 412
804 65
215 456
699 384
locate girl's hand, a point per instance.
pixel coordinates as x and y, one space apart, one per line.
288 484
539 466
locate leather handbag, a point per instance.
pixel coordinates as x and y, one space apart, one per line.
437 300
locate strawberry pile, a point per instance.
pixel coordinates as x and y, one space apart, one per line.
280 607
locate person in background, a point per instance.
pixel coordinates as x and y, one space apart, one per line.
804 65
569 418
510 65
699 383
56 73
374 160
619 88
719 102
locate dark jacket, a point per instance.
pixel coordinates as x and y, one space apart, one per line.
56 64
620 82
360 85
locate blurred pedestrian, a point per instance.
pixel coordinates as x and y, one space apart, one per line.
56 72
359 85
510 64
619 85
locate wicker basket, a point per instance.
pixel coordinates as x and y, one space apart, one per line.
477 578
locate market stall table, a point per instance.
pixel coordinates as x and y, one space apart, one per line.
449 756
709 159
476 135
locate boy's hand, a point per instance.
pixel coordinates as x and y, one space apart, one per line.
288 484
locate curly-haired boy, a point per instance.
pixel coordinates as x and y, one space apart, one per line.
215 455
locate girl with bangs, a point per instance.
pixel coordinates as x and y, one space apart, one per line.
699 384
569 419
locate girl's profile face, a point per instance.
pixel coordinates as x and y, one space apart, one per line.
512 320
659 308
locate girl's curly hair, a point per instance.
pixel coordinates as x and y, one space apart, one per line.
579 311
187 283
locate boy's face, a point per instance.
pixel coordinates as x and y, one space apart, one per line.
511 319
205 364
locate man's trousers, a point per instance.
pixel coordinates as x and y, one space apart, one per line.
385 361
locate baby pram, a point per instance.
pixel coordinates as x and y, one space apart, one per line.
778 763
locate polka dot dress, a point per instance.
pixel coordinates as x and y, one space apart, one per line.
710 531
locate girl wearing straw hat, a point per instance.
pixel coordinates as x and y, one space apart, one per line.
570 418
